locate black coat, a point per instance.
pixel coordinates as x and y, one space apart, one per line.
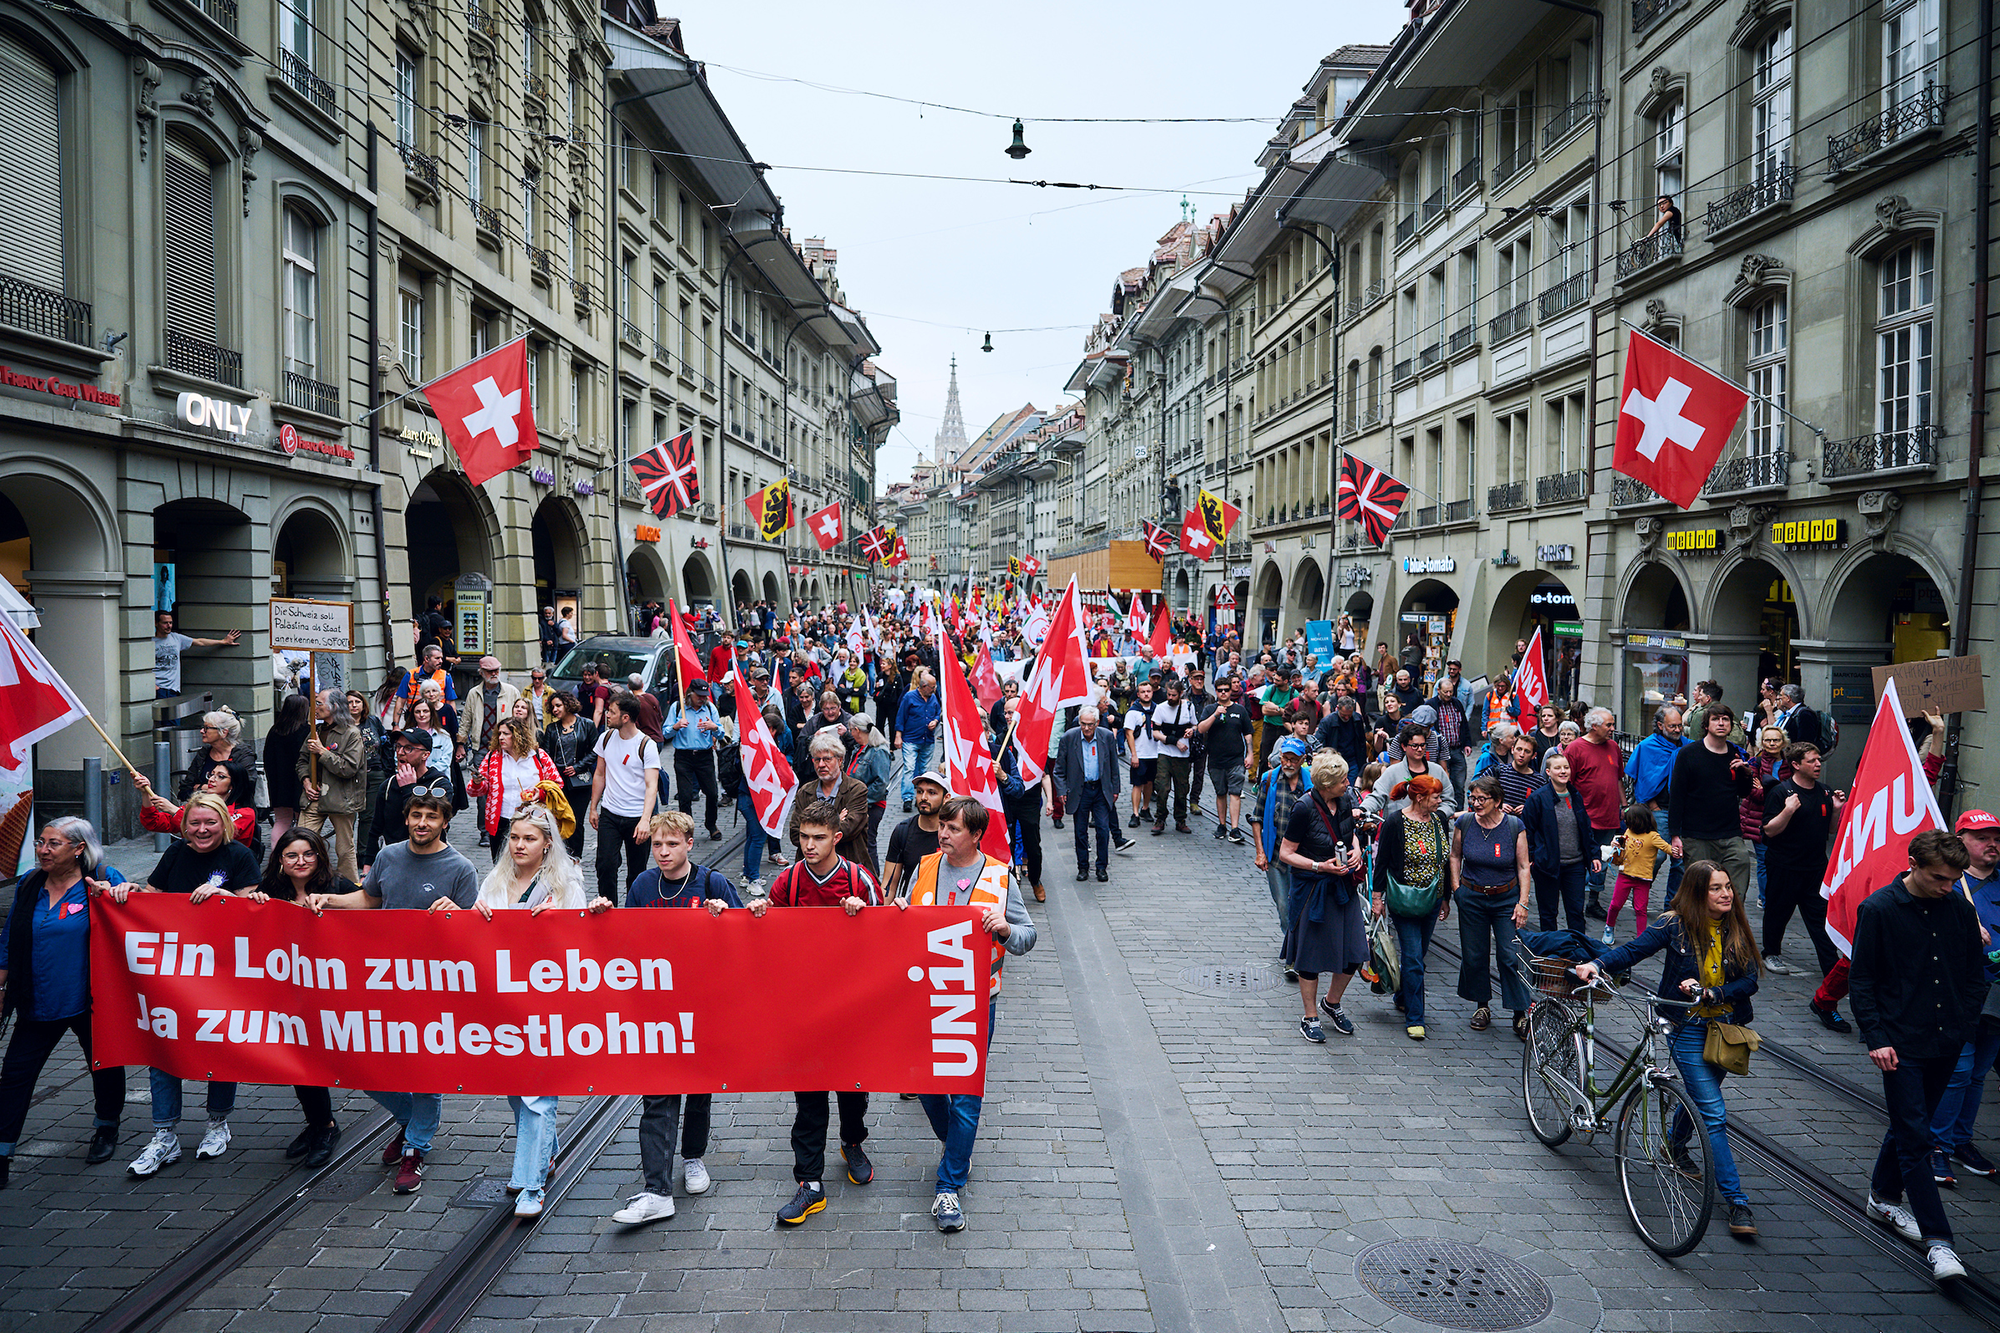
1664 932
1919 973
1544 847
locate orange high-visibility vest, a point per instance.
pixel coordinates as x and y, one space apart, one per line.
990 887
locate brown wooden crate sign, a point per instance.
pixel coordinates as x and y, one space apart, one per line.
1939 685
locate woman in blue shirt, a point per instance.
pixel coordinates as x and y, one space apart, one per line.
45 979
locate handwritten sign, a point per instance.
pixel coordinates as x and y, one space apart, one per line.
1937 685
312 627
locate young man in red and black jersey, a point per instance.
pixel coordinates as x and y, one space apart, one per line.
822 878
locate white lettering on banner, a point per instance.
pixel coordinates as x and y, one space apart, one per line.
951 942
1432 564
198 410
1662 419
576 974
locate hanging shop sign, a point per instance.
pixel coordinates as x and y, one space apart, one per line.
49 384
585 488
1671 642
1694 539
423 443
1563 554
1354 576
1430 564
1239 571
541 476
1552 596
215 413
1809 532
646 532
1569 629
290 442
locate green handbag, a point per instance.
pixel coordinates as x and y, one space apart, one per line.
1415 900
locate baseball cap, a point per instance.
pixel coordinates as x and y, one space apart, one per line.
933 777
1973 820
415 736
697 687
1293 745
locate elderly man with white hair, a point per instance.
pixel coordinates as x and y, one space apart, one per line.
1086 771
1596 766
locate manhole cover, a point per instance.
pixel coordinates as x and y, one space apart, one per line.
486 1191
1452 1285
1229 978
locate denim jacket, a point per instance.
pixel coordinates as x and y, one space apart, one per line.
1665 932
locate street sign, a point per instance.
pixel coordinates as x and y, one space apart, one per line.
309 626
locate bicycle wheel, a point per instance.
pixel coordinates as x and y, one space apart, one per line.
1665 1168
1549 1074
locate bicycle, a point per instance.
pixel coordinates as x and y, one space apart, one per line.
1665 1170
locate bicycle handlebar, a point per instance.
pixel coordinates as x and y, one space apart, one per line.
1602 981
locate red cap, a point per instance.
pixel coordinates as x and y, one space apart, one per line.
1975 819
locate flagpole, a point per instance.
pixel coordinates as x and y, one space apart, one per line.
113 744
1742 388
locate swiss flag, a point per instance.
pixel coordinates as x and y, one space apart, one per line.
1194 536
1889 804
825 525
485 410
1531 679
1674 417
767 772
969 766
35 702
1061 677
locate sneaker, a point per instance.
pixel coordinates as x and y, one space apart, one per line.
1124 845
393 1153
1895 1217
1335 1019
163 1149
214 1142
778 859
1683 1161
809 1200
1291 975
410 1172
1941 1170
1133 822
950 1218
907 807
694 1176
320 1151
1608 937
642 1208
103 1143
1415 1032
1944 1263
1221 831
1970 1158
1236 836
1776 965
528 1204
1310 1029
1741 1221
859 1169
1830 1018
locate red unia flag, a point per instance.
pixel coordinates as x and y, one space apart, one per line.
485 410
1674 417
35 703
1889 804
1137 623
985 678
1531 678
1160 635
767 772
969 766
687 661
1060 679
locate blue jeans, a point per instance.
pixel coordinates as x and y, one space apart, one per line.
1413 940
916 758
534 1141
1091 807
1566 884
1951 1127
753 837
1763 888
1676 864
1704 1086
1279 877
416 1113
955 1120
1486 925
167 1099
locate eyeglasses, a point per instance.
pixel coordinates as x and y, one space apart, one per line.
53 844
300 857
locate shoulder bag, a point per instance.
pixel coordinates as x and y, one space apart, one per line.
1416 900
1728 1046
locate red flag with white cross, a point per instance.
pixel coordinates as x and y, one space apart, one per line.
825 526
1674 418
485 410
1194 536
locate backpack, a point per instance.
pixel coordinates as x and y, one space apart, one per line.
1829 732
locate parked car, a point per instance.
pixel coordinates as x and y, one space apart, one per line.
617 657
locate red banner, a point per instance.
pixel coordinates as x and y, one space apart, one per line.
636 1000
1890 803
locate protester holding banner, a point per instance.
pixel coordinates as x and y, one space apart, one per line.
45 982
416 874
958 874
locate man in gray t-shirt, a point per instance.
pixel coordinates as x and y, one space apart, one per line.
412 875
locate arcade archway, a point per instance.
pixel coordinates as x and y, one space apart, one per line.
449 529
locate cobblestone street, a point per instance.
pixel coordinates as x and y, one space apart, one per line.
1159 1151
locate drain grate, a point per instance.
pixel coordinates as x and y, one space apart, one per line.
481 1192
1452 1285
1229 978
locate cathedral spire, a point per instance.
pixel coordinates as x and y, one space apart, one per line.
950 442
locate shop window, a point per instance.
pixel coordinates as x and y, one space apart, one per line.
1903 337
301 294
31 207
1765 367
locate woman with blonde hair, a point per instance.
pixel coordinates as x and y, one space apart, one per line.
1327 932
515 767
538 874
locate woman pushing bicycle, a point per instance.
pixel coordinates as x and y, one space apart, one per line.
1713 959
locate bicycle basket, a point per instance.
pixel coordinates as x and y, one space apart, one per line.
1550 976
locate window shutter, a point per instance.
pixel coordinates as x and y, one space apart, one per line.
188 224
31 216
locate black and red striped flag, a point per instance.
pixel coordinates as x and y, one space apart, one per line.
1370 495
667 475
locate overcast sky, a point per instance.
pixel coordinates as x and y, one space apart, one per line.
933 264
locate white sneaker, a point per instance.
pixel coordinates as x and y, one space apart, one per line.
163 1149
1897 1218
644 1207
1608 937
1776 965
695 1176
1944 1263
528 1203
214 1143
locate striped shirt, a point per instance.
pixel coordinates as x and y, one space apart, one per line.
1515 786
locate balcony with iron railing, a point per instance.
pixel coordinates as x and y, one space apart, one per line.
1866 456
1464 337
310 395
540 261
1564 295
222 12
1648 251
1507 496
1466 177
1427 517
1370 294
1625 491
1458 511
1562 488
1404 368
1921 111
1645 13
580 292
1406 226
1771 188
1513 162
1430 356
630 333
1770 471
23 305
298 75
1434 205
1579 112
203 359
422 166
487 219
1514 319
